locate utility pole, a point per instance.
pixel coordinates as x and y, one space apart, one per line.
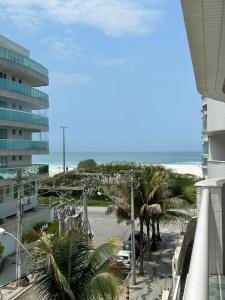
19 228
85 206
60 212
64 152
133 254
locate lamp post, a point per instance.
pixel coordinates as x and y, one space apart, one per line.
64 154
3 231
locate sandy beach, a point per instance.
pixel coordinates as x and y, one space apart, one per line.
179 168
185 169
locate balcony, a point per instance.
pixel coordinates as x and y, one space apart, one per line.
34 170
23 89
24 66
216 169
26 147
23 119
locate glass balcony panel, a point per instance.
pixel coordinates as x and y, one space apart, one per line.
19 116
205 148
23 145
23 60
11 173
22 89
204 161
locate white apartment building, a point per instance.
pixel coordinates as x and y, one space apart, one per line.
23 125
199 274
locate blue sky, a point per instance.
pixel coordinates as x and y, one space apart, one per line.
121 76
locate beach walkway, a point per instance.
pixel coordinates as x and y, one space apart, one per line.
157 271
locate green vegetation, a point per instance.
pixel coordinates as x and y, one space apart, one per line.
46 200
68 267
2 248
34 234
53 227
88 165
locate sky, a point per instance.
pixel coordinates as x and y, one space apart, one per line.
121 77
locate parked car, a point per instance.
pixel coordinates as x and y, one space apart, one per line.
124 257
127 247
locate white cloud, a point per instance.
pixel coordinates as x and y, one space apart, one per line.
59 79
63 48
114 17
117 61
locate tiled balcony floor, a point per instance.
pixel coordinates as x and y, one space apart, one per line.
216 287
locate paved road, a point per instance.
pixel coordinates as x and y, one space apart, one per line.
103 226
106 226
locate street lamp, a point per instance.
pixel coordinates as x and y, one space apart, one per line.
3 232
64 155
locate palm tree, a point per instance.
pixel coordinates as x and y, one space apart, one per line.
69 268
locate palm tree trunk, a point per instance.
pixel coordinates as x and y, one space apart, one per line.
158 231
154 244
148 238
141 269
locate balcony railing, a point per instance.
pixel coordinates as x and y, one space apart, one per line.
11 173
24 117
22 60
22 89
23 145
197 285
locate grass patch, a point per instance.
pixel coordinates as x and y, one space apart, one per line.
99 203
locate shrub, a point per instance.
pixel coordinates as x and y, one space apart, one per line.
30 236
88 165
1 249
53 227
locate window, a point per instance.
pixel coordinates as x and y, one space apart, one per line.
15 191
20 132
3 161
1 195
14 105
3 133
20 157
20 81
13 79
20 107
14 131
3 104
2 75
14 157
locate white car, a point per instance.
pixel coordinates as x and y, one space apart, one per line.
124 257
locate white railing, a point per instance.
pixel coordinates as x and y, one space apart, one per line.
176 293
197 284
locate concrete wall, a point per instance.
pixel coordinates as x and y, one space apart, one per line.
216 169
215 115
28 222
217 147
9 208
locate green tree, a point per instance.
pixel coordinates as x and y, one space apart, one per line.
88 165
68 267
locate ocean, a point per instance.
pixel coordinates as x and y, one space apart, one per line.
55 159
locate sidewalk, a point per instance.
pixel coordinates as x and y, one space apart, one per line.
157 271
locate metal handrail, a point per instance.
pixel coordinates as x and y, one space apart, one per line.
197 284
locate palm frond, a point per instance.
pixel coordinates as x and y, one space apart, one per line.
173 202
182 214
102 286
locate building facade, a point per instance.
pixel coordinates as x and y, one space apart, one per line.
203 275
23 125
